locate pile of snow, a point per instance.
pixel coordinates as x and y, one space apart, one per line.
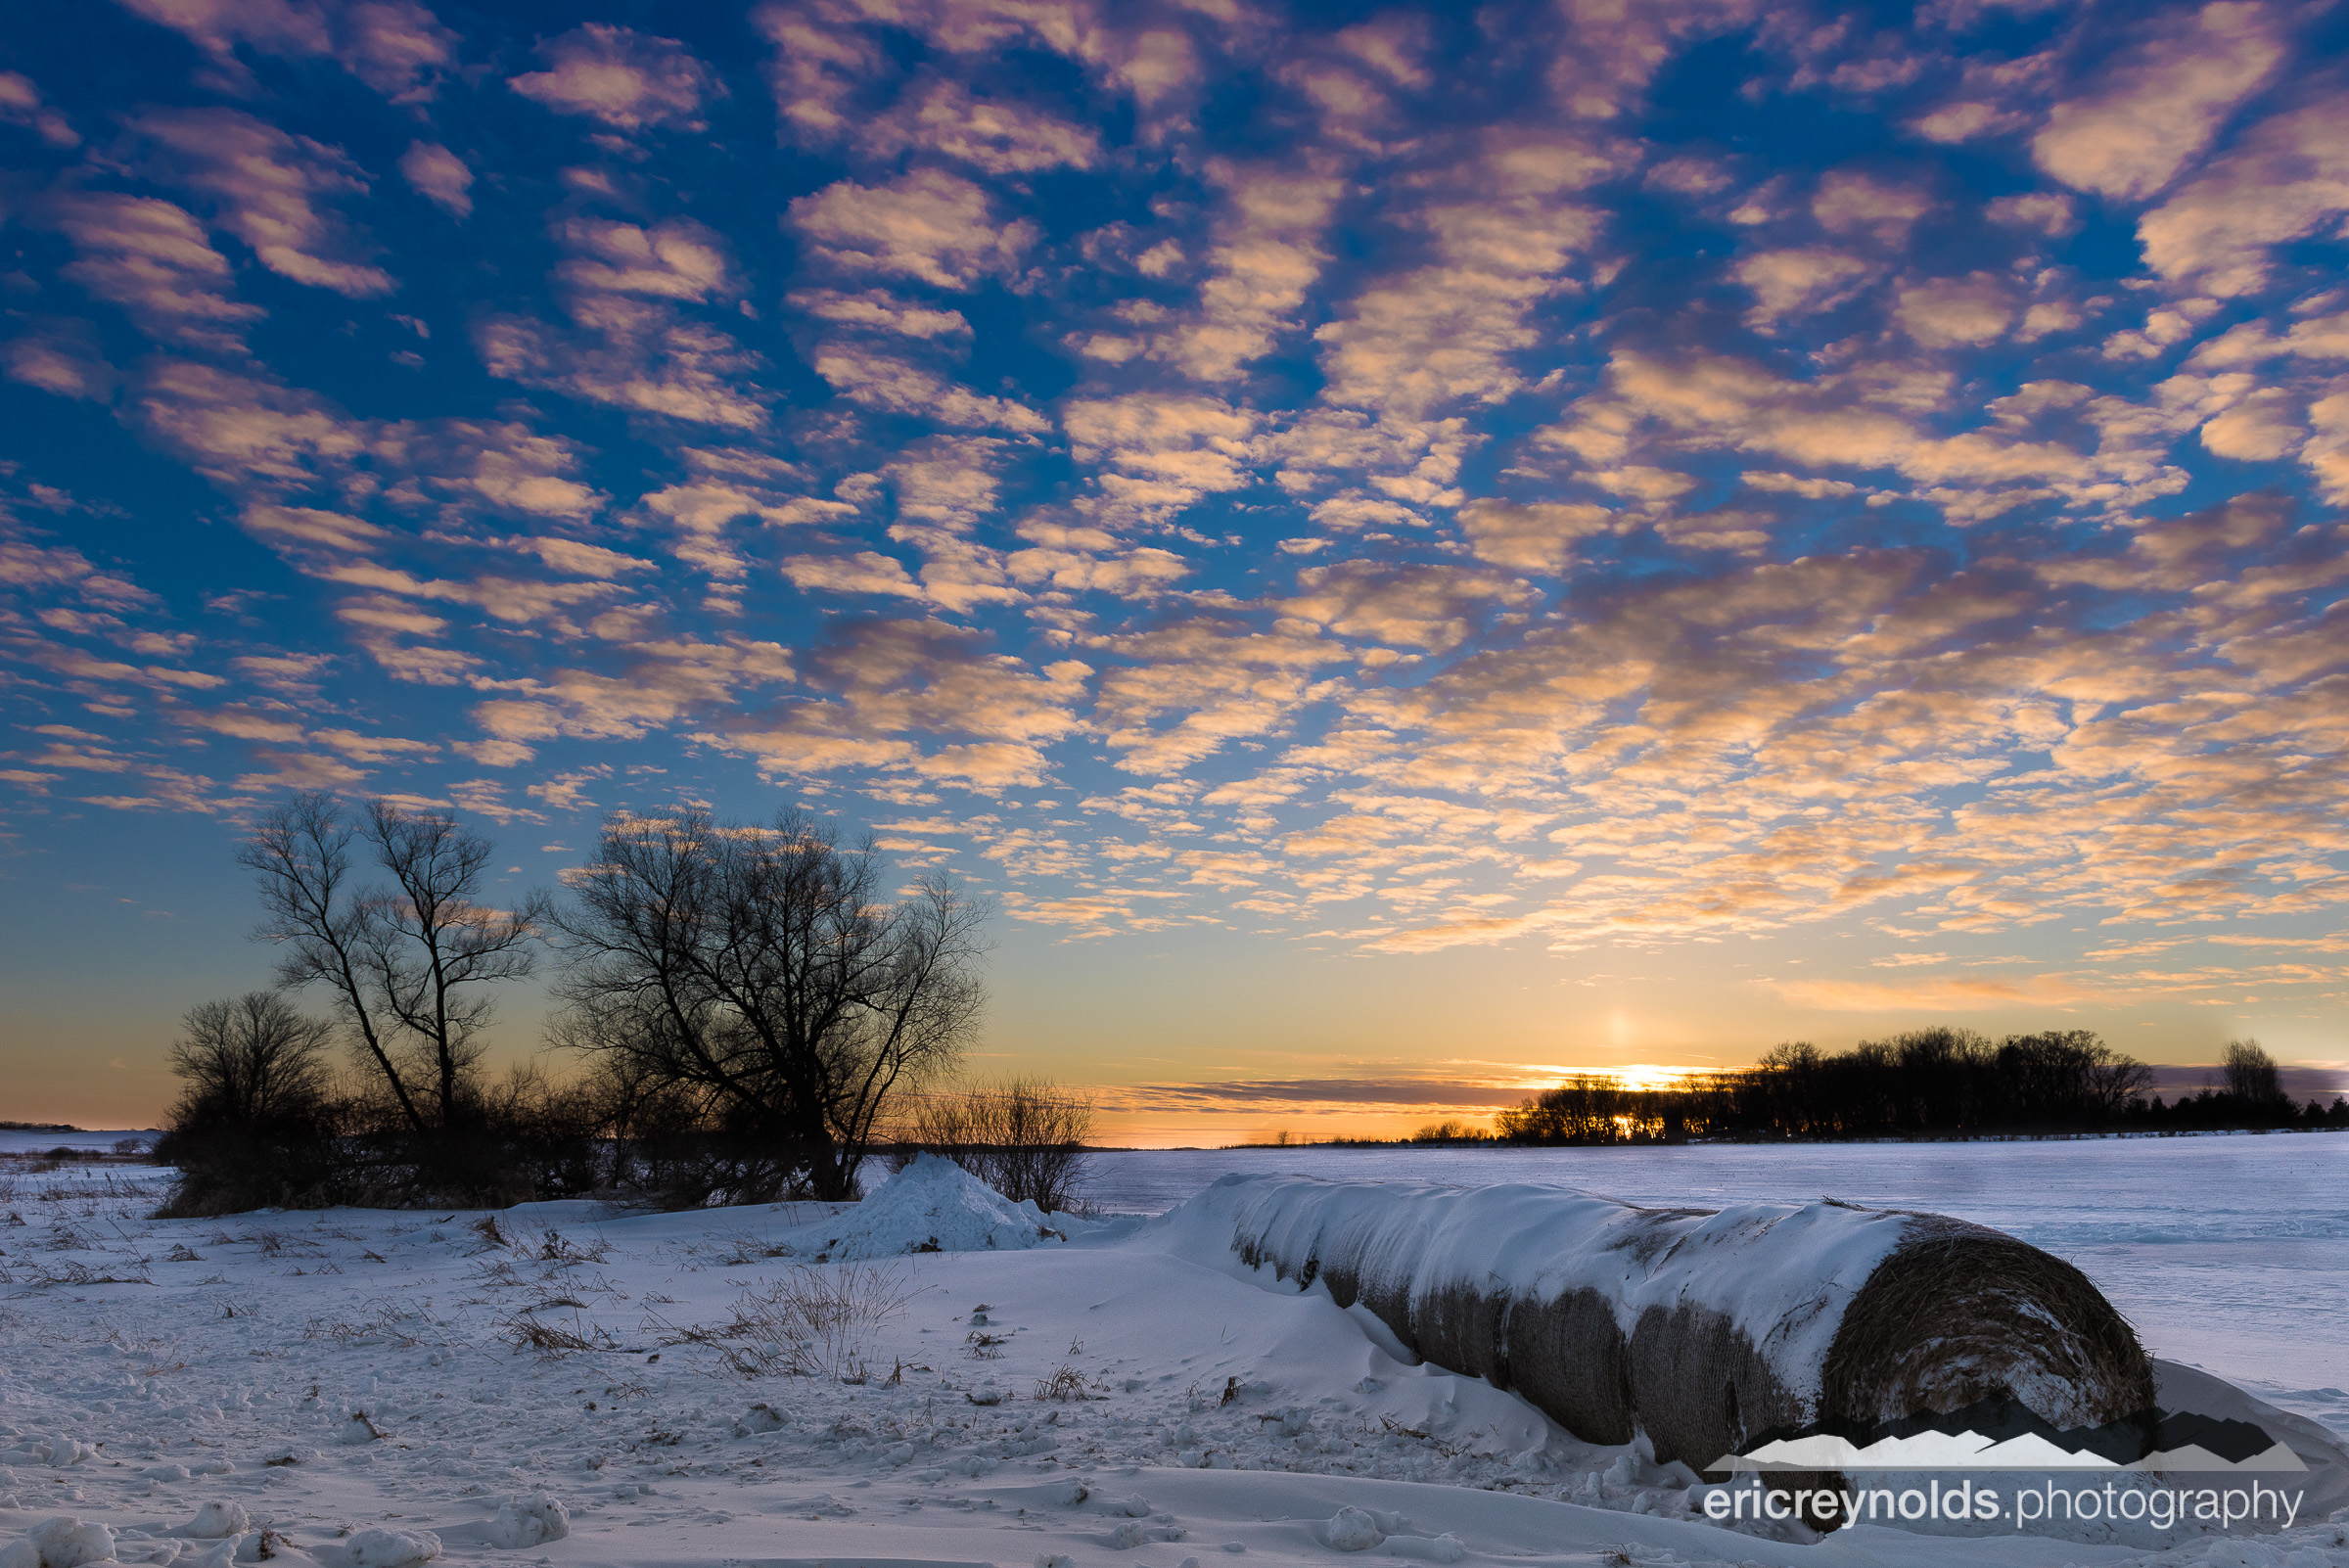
529 1521
217 1521
62 1452
935 1204
391 1548
1351 1529
1354 1529
59 1543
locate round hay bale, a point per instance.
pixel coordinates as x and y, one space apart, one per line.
1959 1313
1701 1387
1458 1325
1704 1332
1570 1362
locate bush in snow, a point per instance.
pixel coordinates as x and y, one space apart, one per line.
59 1543
529 1521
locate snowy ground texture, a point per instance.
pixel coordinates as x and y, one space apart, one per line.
558 1386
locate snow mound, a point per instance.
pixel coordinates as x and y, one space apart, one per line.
215 1521
1351 1529
1137 1533
935 1204
64 1453
529 1521
61 1543
391 1548
1361 1529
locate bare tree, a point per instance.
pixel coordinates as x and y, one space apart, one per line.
2251 1072
249 1061
2113 1082
429 948
763 971
255 1122
406 963
320 922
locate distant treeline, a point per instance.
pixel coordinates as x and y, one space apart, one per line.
1928 1082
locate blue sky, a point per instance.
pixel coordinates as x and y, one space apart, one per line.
1408 548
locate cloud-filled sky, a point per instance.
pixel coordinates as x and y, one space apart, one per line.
1408 547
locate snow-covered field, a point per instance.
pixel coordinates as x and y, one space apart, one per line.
35 1140
566 1387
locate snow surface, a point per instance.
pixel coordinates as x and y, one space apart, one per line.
26 1140
1218 1415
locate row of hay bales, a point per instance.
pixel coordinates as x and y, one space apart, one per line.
1700 1330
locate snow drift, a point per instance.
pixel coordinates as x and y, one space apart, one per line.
1701 1330
64 1542
935 1204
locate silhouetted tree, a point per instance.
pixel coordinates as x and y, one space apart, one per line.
760 979
319 920
431 949
1928 1081
249 1061
2250 1073
253 1121
407 965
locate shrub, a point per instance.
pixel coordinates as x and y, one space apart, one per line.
1024 1138
811 1323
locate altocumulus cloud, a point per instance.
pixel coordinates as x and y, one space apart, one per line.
1422 478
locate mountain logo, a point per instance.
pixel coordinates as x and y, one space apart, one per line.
2003 1435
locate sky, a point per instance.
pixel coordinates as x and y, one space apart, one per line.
1409 550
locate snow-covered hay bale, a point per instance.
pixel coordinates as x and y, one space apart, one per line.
1702 1329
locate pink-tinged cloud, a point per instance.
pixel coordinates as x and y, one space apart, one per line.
628 80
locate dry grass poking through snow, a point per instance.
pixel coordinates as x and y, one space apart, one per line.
1065 1384
809 1322
526 1332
